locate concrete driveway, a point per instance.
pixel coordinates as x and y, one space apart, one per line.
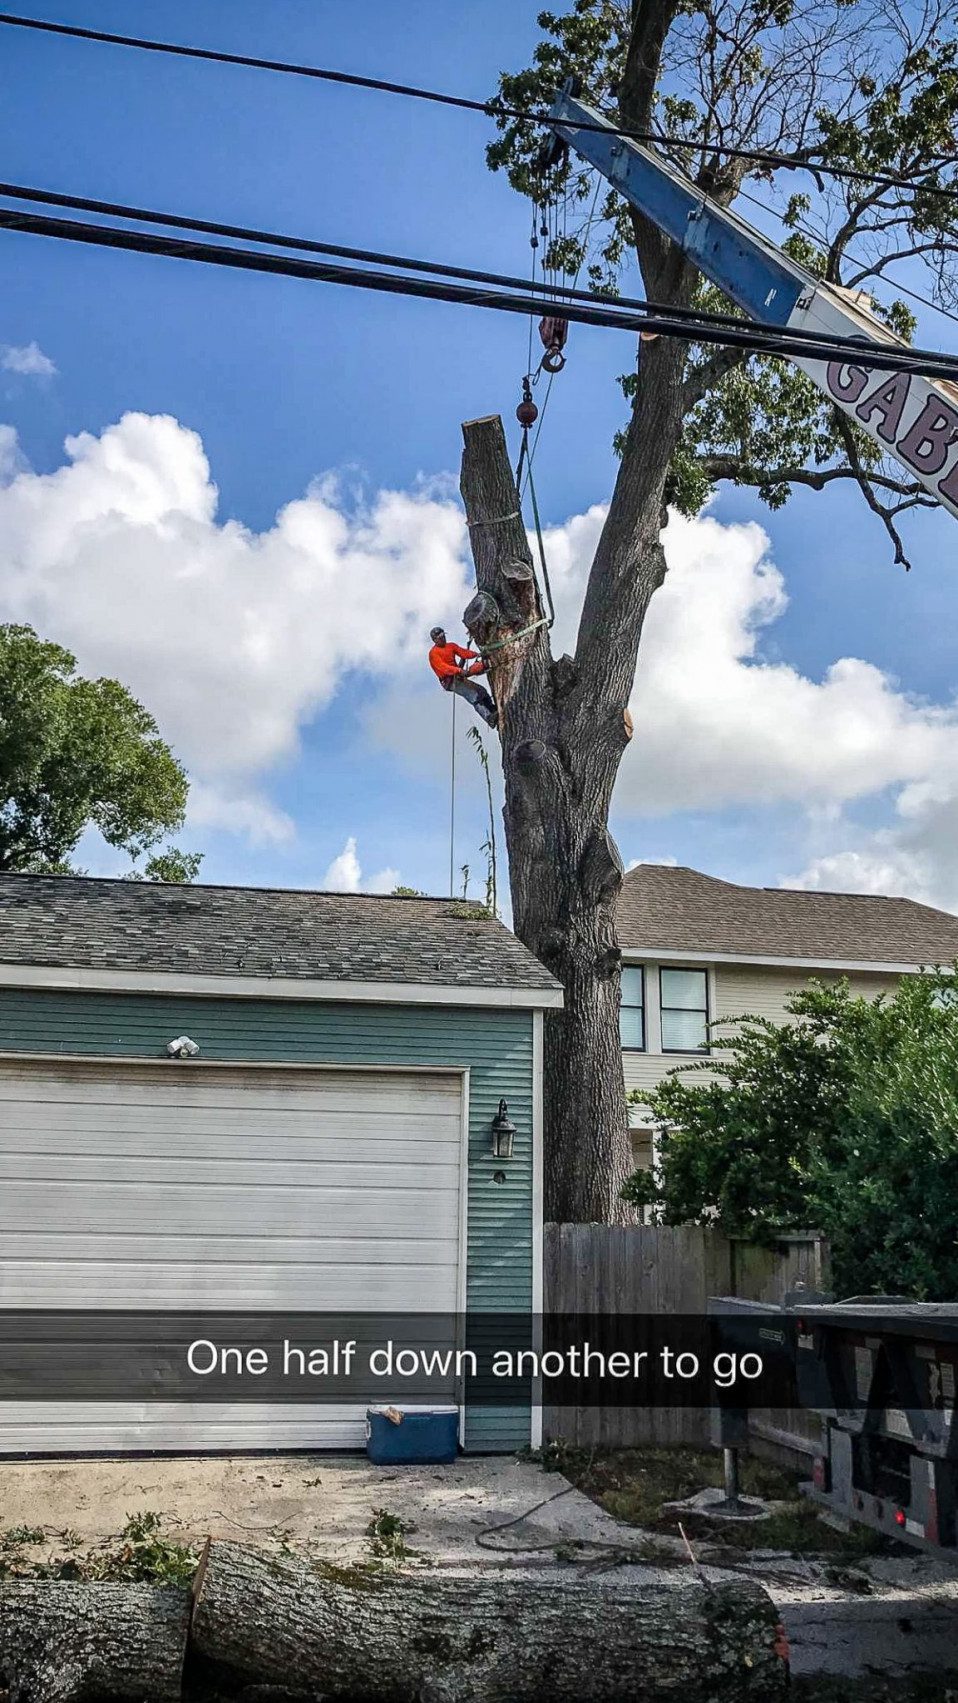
320 1503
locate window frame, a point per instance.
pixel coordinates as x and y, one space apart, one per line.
686 1052
629 1005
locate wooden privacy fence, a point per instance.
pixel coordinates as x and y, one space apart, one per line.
660 1268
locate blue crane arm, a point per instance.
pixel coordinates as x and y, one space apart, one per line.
909 417
752 271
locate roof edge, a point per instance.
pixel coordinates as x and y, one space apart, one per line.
240 887
668 955
66 978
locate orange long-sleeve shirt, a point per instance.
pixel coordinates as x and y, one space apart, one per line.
446 661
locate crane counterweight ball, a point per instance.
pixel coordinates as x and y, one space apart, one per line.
527 413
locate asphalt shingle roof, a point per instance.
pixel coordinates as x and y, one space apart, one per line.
662 909
82 923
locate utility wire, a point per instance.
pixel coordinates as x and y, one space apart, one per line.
857 260
560 291
490 109
736 334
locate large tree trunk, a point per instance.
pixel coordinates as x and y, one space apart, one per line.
64 1641
511 1638
564 725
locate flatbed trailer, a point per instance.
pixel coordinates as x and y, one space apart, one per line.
882 1375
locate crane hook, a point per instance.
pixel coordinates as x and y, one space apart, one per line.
553 332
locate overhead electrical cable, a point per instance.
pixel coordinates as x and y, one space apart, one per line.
561 292
736 333
821 239
490 109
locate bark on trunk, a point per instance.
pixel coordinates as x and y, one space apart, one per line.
564 868
343 1632
62 1641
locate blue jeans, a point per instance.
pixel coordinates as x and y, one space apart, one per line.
474 694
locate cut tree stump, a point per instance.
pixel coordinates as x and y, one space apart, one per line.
67 1641
429 1638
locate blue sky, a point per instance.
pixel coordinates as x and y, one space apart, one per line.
285 382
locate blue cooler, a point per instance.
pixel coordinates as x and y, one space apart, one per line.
400 1436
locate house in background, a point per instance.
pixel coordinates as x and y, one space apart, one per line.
327 1147
695 949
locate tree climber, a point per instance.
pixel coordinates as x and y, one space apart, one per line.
446 662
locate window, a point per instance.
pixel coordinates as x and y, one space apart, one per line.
632 1010
641 1140
684 1011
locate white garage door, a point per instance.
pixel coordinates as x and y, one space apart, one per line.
203 1186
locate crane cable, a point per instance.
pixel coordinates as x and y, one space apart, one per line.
528 415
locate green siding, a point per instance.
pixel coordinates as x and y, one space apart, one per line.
495 1045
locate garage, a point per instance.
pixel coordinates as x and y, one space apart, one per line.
324 1146
221 1188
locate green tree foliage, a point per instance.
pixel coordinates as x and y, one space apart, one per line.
76 753
844 1119
867 85
171 866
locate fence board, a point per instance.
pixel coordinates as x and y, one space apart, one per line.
663 1268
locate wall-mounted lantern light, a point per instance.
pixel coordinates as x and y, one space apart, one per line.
503 1133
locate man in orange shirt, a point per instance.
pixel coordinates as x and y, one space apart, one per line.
446 661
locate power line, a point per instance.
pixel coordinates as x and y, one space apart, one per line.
560 293
489 109
857 260
736 334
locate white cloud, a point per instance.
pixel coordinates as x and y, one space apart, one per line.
11 460
234 639
237 639
248 813
718 726
915 855
345 874
28 360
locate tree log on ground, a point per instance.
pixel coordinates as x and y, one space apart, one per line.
431 1638
65 1641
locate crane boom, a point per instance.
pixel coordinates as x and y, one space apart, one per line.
912 418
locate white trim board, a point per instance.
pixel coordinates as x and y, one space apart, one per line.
162 1061
185 983
648 955
538 1129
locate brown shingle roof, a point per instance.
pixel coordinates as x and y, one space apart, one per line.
82 923
678 910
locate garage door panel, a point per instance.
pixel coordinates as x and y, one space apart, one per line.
84 1169
53 1428
435 1117
225 1137
282 1287
202 1086
171 1207
122 1249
